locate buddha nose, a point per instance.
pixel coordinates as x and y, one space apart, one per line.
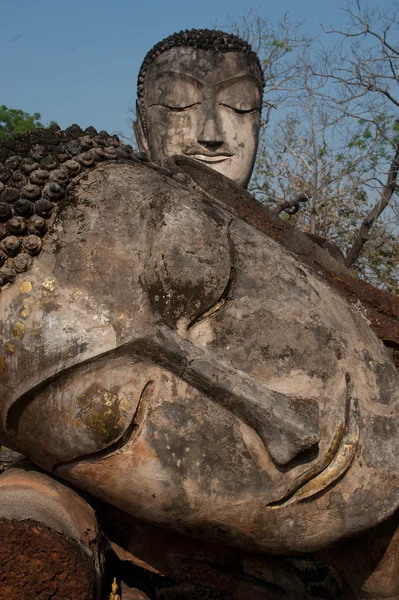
211 137
290 428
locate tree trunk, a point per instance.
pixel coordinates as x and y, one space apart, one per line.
370 219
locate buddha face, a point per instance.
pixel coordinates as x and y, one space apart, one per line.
203 104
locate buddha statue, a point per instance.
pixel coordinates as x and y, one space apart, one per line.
167 363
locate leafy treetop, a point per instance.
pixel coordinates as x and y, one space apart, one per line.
13 121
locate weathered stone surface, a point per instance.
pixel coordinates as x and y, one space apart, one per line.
28 199
207 394
381 308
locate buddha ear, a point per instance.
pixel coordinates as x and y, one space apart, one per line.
139 131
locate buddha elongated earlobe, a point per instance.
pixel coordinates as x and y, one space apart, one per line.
140 131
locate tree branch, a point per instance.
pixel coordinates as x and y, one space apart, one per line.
372 216
291 207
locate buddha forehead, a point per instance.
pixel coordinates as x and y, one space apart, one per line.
206 67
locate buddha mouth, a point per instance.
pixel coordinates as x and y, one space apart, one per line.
209 157
335 463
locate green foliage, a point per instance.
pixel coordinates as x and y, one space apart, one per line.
282 44
13 121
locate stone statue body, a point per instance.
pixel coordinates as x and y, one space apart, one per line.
176 363
276 372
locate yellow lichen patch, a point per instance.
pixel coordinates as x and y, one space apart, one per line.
83 401
124 404
121 316
100 422
76 423
25 287
18 330
99 413
49 284
26 308
109 398
121 423
36 328
10 347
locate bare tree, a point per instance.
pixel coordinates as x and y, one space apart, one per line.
310 152
330 150
364 68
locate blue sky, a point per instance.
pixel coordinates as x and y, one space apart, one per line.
77 60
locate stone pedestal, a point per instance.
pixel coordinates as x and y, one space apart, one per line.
38 562
50 543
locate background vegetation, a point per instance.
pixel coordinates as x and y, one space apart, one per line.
329 150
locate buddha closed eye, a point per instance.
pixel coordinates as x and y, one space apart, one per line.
240 93
180 92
